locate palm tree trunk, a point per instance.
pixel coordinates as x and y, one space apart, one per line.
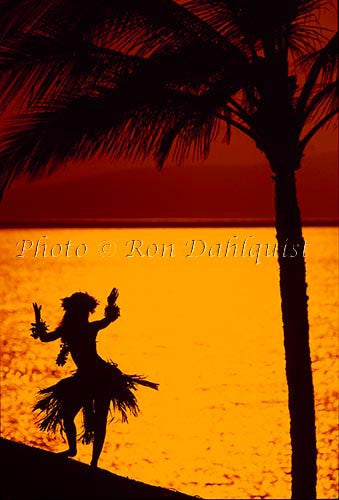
296 336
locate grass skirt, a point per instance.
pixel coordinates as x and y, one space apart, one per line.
82 391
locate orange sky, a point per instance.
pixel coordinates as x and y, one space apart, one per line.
235 182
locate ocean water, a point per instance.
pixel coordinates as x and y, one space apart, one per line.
203 320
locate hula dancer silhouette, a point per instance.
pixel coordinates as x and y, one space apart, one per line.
95 384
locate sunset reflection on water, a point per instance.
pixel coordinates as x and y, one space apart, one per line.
207 329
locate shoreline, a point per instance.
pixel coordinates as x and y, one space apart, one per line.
33 473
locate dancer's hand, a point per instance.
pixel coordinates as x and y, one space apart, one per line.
112 312
111 299
39 327
37 312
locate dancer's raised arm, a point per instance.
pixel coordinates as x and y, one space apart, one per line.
39 328
112 312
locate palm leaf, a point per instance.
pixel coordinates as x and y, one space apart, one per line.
16 16
148 79
263 23
59 48
40 67
319 87
120 122
152 23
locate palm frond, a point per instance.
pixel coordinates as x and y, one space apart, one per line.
40 68
70 44
263 23
133 24
90 100
117 123
324 61
16 16
155 78
323 71
323 102
324 122
36 68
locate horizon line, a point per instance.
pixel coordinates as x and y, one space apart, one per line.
154 223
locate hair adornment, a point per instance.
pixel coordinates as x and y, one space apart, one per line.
79 301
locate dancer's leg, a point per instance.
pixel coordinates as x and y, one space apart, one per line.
101 408
69 414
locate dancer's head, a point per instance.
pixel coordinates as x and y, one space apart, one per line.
79 305
79 301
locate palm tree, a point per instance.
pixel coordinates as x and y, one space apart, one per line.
159 78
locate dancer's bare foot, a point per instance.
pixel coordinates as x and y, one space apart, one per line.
94 464
68 453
